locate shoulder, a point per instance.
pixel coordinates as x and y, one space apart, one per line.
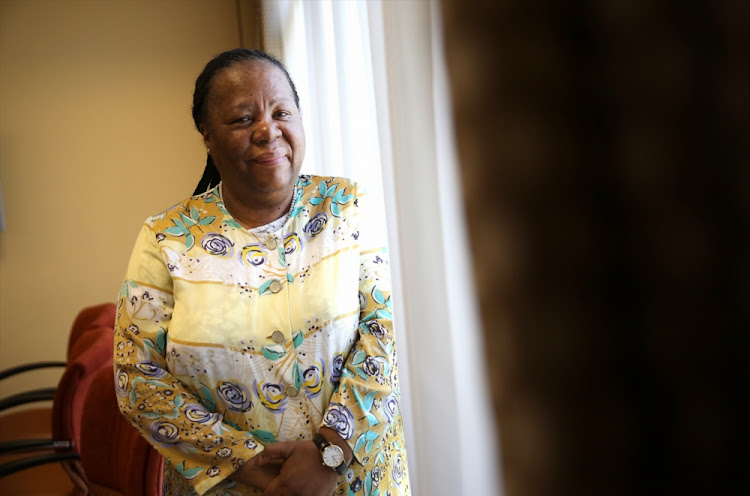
199 210
209 198
336 188
316 184
327 195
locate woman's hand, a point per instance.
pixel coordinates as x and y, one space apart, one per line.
257 475
302 472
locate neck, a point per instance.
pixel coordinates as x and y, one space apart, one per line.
251 212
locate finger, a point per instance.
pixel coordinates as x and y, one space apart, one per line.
273 487
276 452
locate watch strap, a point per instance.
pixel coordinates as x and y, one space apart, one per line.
321 442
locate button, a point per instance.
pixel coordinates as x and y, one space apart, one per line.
275 286
292 391
271 242
278 336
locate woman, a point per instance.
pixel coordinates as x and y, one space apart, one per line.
253 344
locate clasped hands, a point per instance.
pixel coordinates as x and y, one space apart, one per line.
289 468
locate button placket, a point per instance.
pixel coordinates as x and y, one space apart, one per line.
272 243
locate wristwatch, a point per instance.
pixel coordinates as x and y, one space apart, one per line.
333 456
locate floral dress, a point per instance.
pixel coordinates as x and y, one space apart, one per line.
228 339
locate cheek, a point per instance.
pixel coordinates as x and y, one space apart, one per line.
229 143
298 142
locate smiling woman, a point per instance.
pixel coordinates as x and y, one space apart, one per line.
262 301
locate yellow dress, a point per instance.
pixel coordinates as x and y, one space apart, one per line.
228 339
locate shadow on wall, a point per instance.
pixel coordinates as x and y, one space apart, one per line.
606 183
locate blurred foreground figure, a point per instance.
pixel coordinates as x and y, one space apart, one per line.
604 151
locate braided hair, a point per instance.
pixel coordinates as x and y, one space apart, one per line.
223 61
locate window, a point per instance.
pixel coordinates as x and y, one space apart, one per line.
375 108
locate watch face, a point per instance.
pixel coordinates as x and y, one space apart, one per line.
333 456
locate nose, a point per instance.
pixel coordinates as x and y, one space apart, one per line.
266 130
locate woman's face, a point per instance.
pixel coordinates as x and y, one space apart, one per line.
253 129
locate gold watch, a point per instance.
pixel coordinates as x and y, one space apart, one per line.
333 456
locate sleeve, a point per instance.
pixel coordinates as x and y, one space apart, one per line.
192 438
366 401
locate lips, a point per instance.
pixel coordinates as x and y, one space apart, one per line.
270 158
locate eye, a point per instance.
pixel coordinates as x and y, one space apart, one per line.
245 119
281 114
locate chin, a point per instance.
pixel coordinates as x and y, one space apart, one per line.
281 182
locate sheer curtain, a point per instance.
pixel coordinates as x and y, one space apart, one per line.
372 84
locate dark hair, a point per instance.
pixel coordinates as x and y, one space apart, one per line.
223 61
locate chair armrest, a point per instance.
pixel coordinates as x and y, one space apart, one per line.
25 445
42 394
29 366
33 461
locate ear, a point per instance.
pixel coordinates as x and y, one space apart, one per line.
206 136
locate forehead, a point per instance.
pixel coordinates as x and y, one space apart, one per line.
250 80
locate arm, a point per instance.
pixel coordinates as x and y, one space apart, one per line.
192 438
363 406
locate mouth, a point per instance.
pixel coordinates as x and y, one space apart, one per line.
270 159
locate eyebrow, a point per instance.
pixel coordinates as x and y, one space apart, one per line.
272 103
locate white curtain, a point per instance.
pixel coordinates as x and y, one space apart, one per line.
375 104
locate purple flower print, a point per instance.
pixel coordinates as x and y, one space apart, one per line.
356 485
390 406
376 329
315 225
217 244
339 418
163 432
235 396
398 470
200 414
121 382
371 366
151 369
336 366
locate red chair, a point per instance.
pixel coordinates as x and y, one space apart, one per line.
54 446
104 454
117 460
91 353
93 317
